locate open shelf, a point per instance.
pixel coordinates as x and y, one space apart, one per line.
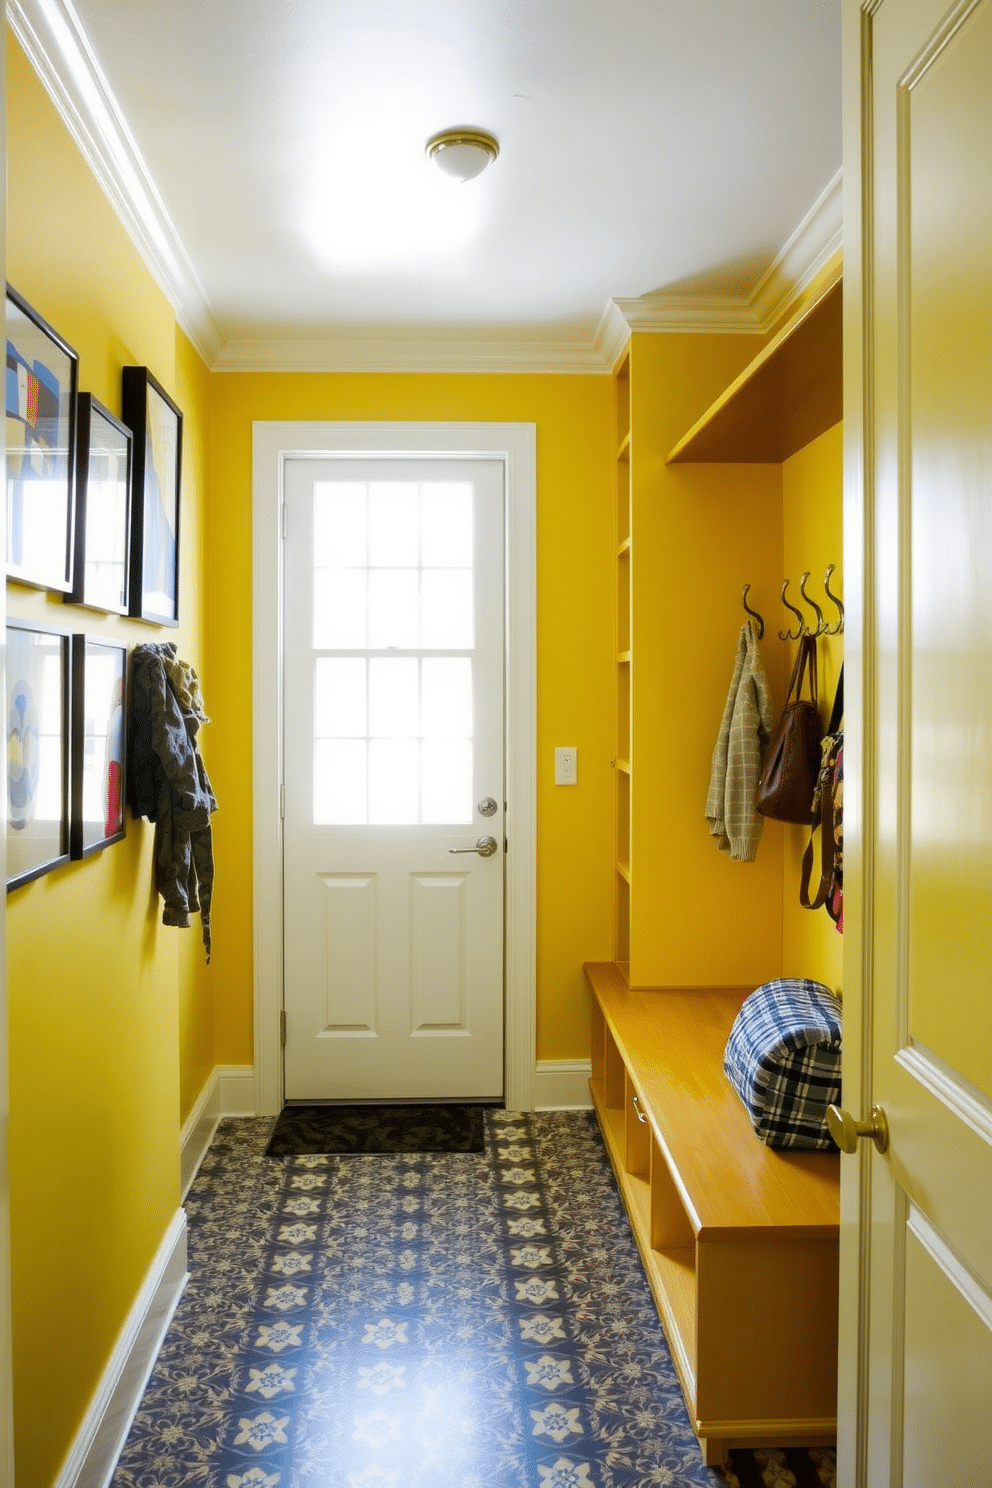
785 398
726 1227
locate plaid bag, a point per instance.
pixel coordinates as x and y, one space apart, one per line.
783 1059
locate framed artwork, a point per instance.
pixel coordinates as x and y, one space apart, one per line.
99 683
42 371
103 506
157 425
37 750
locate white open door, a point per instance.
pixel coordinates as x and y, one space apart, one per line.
916 1344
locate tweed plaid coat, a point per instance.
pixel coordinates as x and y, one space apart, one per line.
736 763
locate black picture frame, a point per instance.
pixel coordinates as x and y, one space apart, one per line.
103 508
156 423
40 403
38 712
99 740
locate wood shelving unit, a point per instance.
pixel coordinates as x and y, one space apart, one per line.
739 1241
788 395
622 750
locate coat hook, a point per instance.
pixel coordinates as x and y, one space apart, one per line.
821 624
761 623
787 635
834 629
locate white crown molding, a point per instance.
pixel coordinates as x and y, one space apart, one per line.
383 350
692 314
813 243
817 238
56 45
612 335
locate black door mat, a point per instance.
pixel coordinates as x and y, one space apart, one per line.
309 1130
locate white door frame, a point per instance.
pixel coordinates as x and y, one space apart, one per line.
273 443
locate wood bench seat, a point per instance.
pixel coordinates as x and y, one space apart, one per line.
739 1240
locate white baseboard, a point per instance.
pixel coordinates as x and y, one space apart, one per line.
230 1091
562 1085
94 1453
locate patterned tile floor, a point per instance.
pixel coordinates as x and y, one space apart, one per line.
421 1322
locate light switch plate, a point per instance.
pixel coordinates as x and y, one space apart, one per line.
566 766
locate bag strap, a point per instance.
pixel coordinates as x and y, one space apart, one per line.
837 711
810 642
805 663
827 848
796 677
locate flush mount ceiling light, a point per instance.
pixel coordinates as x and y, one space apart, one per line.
462 153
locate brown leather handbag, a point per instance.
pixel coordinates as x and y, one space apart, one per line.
792 759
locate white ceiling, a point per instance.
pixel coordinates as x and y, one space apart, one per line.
271 153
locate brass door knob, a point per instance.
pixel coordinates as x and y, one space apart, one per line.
847 1132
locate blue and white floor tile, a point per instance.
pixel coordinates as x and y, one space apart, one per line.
418 1321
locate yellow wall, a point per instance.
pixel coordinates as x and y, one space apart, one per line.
575 636
812 494
95 982
115 1022
700 532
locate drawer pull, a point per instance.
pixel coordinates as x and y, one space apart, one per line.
637 1108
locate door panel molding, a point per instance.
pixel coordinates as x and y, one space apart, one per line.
273 443
348 909
438 917
950 1263
961 1098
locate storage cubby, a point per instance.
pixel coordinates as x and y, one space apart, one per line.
622 752
738 1240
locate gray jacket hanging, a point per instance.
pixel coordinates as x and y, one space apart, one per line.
168 783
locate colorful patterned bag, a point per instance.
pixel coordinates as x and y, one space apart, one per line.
828 817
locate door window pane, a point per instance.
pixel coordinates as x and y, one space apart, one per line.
394 785
394 524
393 608
446 707
340 520
446 525
394 703
393 571
339 698
446 611
339 784
340 607
446 784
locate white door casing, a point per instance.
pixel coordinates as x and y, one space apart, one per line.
514 446
6 1372
916 1254
393 750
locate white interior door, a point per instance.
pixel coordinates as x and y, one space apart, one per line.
922 1244
394 778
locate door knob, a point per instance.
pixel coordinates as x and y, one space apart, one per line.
485 847
487 806
847 1132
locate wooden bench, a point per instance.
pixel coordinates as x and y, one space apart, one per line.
739 1241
